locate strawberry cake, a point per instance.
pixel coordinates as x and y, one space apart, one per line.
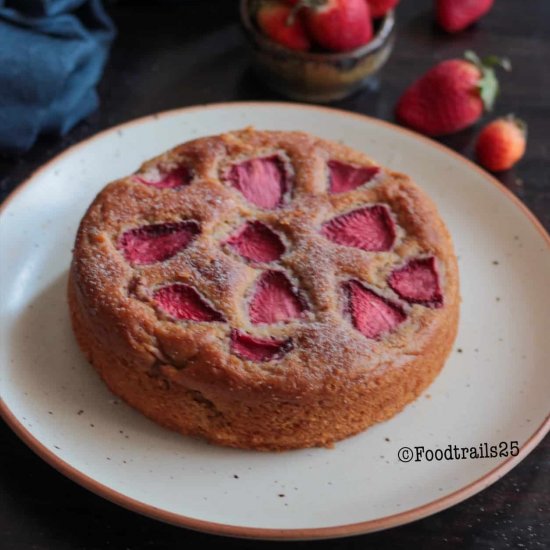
264 290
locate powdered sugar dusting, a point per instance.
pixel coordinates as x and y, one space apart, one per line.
332 330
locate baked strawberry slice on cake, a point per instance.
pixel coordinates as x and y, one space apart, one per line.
294 293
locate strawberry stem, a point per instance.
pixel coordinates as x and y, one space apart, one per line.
308 4
472 57
488 88
313 4
521 124
495 61
488 85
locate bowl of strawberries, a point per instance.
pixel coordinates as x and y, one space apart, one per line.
318 50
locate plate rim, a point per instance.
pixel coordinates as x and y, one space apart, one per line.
217 528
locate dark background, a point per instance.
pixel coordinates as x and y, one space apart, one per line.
169 55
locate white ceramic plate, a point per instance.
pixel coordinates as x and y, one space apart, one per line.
494 388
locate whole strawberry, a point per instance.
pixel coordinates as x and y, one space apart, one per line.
456 15
451 96
379 8
501 143
275 21
337 25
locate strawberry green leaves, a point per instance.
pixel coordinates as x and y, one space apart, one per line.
488 84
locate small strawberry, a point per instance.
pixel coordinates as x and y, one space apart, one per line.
379 8
501 143
275 21
337 25
456 15
451 96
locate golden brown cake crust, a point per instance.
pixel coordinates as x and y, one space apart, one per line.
334 381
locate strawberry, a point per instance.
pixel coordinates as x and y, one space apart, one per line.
263 181
337 25
417 282
371 314
346 177
451 96
276 21
456 15
158 242
274 300
501 143
184 302
258 349
256 242
379 8
370 228
171 179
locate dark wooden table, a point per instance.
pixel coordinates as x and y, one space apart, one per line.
177 54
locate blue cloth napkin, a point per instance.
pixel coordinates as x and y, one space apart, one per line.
52 54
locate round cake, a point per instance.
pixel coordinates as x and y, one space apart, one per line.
264 290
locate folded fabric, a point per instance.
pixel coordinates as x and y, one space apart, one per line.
52 54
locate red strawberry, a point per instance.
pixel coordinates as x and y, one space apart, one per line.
258 349
379 8
418 282
257 243
337 25
451 96
370 228
502 143
170 179
456 15
263 181
346 177
184 302
276 22
372 315
274 300
158 242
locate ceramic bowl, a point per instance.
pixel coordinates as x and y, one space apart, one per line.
318 77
